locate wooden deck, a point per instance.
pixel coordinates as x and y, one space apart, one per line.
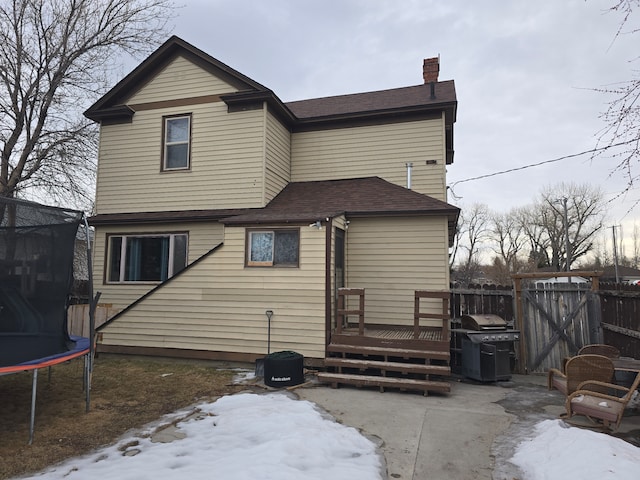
391 333
411 358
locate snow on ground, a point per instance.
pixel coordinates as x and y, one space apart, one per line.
243 375
243 436
558 450
273 436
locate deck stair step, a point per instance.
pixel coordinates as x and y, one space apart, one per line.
384 382
365 364
388 352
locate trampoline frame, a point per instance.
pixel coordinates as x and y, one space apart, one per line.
82 350
85 347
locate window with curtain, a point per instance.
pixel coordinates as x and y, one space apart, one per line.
268 248
146 258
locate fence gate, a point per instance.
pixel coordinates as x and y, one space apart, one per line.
555 318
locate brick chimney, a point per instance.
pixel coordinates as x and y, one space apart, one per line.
430 69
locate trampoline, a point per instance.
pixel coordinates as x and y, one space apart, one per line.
37 245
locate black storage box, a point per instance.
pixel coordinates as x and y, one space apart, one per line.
283 369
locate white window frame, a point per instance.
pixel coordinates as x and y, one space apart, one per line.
123 255
166 143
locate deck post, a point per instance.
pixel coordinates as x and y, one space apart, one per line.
361 313
444 316
343 311
340 313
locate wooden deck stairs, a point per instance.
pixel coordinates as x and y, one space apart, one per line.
405 358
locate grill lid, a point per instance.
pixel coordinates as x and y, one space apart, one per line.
483 321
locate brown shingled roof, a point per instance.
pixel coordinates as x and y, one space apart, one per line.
372 196
384 105
379 101
164 216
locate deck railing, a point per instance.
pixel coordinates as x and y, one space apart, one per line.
344 312
444 316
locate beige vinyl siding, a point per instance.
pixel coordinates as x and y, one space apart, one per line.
391 258
378 150
180 79
219 304
278 157
202 238
227 151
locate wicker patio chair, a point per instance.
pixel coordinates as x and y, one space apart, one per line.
600 407
600 349
579 369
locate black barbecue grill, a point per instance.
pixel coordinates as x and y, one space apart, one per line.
487 347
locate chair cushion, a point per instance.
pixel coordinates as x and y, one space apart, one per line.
596 407
559 383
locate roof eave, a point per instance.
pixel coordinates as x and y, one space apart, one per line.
163 217
117 113
239 99
415 111
388 213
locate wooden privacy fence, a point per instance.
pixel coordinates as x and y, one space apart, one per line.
78 317
556 319
620 306
476 299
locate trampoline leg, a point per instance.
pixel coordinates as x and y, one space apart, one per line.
87 382
34 388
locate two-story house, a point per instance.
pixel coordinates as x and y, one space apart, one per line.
217 202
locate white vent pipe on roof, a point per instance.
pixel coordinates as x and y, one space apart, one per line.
409 168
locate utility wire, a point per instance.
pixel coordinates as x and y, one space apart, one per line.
594 150
566 157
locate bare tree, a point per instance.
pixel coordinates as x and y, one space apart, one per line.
581 222
635 256
54 59
472 231
507 234
620 138
534 232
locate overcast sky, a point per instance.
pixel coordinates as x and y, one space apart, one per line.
525 75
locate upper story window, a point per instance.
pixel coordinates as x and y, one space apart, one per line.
268 248
146 258
176 149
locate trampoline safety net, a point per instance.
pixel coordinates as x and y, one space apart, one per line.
36 273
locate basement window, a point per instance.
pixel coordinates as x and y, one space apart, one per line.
273 248
146 258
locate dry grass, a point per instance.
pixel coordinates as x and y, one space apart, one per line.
127 393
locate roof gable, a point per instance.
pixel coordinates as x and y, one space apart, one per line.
112 103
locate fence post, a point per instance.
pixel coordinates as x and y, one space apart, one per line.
522 344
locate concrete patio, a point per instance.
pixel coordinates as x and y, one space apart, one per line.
470 433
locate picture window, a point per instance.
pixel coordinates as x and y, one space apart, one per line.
146 258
